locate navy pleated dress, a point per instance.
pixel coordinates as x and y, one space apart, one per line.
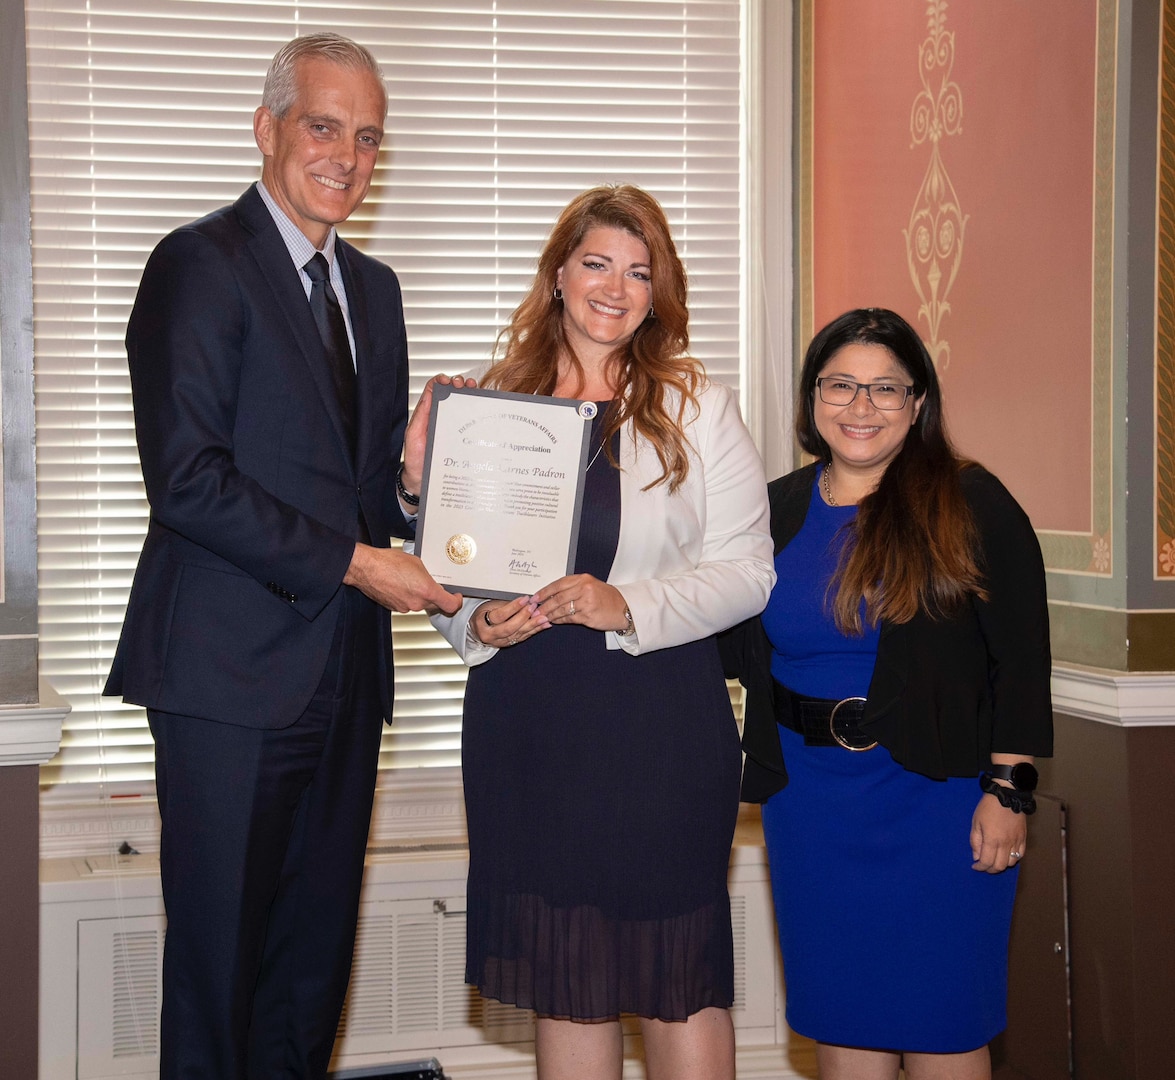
601 794
889 939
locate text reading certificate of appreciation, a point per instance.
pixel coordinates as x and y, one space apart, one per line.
503 490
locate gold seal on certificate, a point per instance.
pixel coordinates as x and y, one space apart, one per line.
460 549
508 469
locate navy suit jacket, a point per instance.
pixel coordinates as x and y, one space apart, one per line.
255 499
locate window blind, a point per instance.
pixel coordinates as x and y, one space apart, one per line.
499 112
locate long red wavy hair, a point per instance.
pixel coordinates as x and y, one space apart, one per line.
645 369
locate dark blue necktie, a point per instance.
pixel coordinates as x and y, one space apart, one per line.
324 305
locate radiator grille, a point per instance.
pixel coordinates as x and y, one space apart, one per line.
408 979
738 922
135 993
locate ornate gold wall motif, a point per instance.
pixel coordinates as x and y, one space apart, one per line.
1075 555
1165 311
934 236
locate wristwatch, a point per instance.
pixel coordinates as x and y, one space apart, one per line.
1022 775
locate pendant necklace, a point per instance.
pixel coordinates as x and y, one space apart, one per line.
598 448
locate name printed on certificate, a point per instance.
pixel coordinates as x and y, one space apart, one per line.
503 490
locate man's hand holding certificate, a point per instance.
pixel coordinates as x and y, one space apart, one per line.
502 489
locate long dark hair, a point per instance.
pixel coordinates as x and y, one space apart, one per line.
652 362
913 546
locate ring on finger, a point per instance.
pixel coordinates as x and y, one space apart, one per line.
513 640
571 608
1015 855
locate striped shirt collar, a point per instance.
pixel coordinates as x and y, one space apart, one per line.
302 251
299 247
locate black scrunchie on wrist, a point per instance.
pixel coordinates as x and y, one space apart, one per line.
1019 802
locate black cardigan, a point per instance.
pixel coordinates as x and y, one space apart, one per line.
945 693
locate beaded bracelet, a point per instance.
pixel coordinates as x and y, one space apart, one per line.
403 492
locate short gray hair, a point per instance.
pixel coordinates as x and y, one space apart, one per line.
281 81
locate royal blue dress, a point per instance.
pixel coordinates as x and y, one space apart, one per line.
889 939
601 794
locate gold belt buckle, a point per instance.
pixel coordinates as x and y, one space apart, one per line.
842 735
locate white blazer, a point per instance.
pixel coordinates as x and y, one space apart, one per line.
689 563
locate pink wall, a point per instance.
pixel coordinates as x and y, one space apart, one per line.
1018 364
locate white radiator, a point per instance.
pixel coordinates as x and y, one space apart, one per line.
102 930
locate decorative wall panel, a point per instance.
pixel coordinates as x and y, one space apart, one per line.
957 165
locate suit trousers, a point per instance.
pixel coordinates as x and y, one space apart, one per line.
264 834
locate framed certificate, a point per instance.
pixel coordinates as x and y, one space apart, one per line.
502 490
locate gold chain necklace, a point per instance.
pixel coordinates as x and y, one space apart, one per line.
828 486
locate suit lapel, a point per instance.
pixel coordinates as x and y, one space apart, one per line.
273 259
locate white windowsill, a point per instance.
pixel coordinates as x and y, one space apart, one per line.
31 734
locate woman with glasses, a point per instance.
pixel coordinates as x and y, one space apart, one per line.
901 670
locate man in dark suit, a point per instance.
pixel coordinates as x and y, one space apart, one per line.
269 373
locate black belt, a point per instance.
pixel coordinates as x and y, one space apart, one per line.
822 721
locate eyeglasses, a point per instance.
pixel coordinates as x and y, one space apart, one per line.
886 396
